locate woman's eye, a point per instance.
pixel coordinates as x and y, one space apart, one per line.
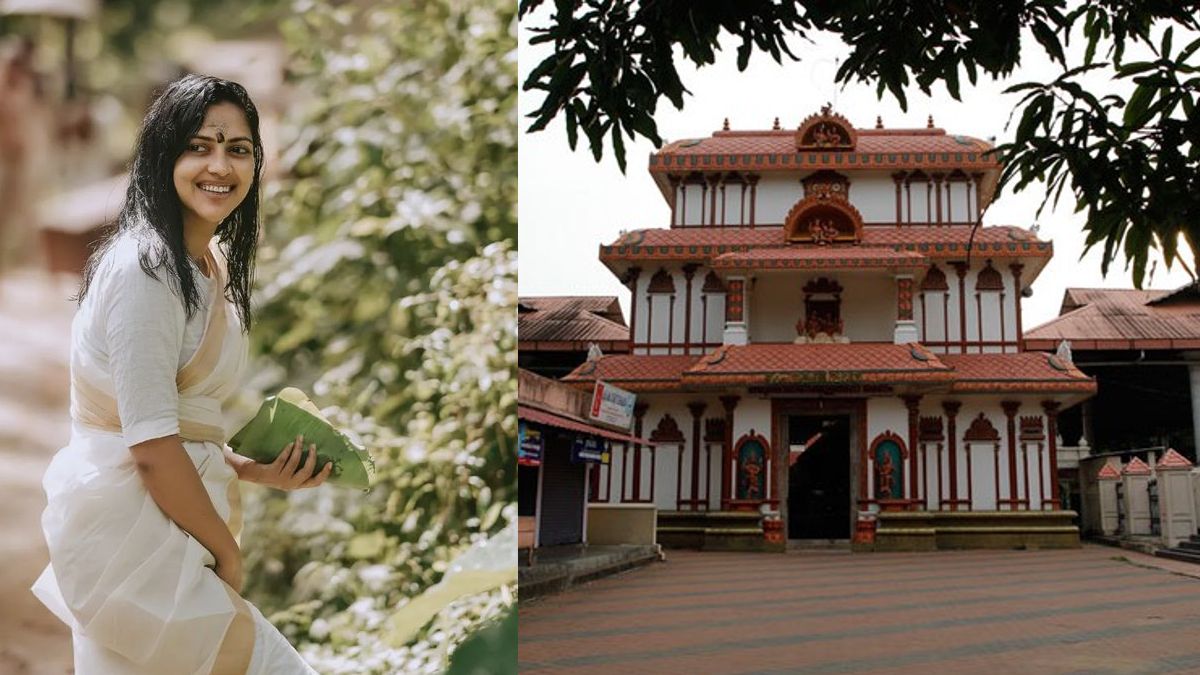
239 150
196 147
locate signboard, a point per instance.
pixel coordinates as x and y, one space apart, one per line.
613 405
590 450
529 446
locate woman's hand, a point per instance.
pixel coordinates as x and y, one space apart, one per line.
229 568
286 472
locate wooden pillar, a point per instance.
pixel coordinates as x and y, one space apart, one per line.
978 179
1051 408
697 410
689 271
937 181
1010 411
674 180
639 412
960 268
631 278
1016 273
714 183
951 408
897 178
913 403
753 180
729 403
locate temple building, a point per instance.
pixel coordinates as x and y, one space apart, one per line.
825 346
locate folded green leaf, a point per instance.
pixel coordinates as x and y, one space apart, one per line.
289 414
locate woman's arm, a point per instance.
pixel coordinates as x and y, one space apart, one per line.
173 483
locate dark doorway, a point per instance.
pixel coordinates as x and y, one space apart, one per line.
819 477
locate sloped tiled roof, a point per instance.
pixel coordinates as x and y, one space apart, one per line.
1023 372
817 364
822 257
1106 318
839 364
635 372
876 149
570 319
930 241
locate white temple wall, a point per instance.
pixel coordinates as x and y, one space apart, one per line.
777 194
868 307
938 316
874 195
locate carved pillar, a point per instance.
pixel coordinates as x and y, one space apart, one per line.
703 199
674 180
631 278
951 408
906 328
753 180
937 181
898 178
683 202
729 403
714 182
735 312
724 205
1051 408
639 412
960 268
689 271
1017 268
913 403
1010 412
978 180
697 410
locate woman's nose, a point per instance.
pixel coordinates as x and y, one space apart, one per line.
219 165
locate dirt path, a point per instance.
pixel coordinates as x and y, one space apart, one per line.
35 321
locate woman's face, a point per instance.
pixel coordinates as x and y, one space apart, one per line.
216 169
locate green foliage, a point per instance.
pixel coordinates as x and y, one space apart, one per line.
1134 165
389 291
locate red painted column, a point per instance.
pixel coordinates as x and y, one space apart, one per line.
1051 408
689 271
631 278
674 180
1010 411
1016 272
753 180
913 403
960 268
697 410
951 408
639 412
729 403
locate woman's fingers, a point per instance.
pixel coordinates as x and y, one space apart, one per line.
310 462
293 461
319 477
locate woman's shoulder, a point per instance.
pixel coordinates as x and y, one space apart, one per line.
125 262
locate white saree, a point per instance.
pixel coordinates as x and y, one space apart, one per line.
138 592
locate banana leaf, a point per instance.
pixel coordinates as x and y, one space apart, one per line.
290 413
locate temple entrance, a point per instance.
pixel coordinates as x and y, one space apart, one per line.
818 476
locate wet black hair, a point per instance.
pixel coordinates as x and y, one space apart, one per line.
152 212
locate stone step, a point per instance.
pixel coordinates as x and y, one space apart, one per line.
1190 546
1178 554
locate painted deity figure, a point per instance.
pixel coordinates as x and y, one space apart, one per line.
885 473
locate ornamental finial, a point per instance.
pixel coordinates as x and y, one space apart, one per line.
725 126
776 125
879 121
929 124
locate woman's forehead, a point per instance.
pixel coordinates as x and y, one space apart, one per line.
226 119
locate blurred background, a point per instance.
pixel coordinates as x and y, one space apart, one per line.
386 290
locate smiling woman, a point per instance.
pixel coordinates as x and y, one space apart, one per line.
143 504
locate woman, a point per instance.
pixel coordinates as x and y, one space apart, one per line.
143 505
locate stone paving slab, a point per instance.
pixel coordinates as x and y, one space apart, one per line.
1092 610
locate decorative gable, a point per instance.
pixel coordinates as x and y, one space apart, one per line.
981 429
826 131
989 279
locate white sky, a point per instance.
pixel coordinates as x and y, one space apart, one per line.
569 205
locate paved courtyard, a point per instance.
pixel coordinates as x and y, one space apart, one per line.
1093 610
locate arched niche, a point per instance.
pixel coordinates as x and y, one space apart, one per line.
887 454
752 453
820 220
